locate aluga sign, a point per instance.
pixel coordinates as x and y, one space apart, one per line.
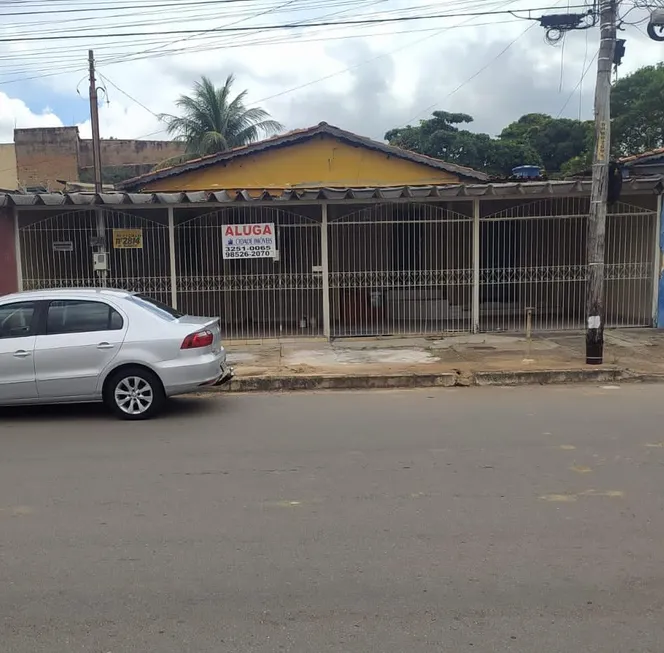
249 240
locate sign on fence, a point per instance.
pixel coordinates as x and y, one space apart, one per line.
128 238
250 241
63 246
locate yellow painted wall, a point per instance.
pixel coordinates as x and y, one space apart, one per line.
8 178
320 162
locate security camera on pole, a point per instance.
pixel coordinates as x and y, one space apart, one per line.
600 186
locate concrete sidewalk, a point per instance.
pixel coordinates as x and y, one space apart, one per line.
635 354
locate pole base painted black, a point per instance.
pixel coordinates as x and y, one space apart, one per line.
594 347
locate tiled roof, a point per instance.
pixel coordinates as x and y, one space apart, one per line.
634 158
641 185
298 135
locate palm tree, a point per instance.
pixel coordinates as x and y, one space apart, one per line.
212 121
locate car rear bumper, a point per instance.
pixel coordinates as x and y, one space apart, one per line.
196 375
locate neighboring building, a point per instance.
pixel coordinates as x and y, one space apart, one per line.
8 179
46 157
647 163
348 237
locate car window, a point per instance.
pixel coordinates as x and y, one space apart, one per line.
73 316
156 307
16 319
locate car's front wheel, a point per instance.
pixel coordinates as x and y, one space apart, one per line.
135 393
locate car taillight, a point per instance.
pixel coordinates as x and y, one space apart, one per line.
199 339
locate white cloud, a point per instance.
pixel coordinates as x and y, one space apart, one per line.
14 113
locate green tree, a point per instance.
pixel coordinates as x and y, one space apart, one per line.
556 140
440 137
637 110
212 120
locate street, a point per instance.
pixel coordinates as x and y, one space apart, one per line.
471 519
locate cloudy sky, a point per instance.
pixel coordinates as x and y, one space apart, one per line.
367 77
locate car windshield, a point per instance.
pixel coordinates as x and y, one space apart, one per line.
156 307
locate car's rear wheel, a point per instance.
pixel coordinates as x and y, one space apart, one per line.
135 393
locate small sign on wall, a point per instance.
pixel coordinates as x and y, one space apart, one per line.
63 246
127 238
249 241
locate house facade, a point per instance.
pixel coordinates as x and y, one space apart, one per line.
324 233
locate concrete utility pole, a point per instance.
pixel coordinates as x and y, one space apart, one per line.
600 183
94 119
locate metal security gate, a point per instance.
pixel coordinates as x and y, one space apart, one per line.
629 270
533 258
258 297
400 269
57 252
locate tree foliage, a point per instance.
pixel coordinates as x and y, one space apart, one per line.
637 109
561 146
556 140
211 120
442 138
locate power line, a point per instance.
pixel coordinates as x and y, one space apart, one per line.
114 7
583 67
471 78
133 99
287 26
214 29
48 72
319 79
380 56
154 37
583 76
183 15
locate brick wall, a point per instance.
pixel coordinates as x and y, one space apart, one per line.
8 279
45 155
116 152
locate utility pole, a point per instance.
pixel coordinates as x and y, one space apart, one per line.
600 183
94 120
99 257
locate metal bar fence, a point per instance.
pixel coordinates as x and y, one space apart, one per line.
56 252
257 297
398 269
533 256
394 269
629 266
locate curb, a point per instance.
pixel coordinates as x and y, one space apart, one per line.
294 383
340 382
548 377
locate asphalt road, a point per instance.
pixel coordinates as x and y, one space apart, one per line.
521 520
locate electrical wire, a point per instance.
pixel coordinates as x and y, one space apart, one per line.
131 97
283 26
61 60
48 72
583 67
471 78
211 30
578 84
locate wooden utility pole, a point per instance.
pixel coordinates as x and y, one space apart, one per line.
600 183
94 120
100 262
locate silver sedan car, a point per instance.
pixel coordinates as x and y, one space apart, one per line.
85 345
